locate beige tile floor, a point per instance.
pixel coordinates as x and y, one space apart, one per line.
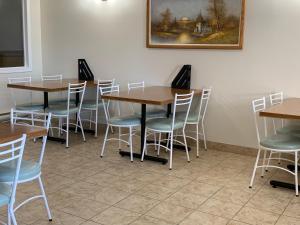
83 189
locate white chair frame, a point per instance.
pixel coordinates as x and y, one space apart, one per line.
276 99
10 151
132 86
57 77
40 120
259 105
100 83
72 89
204 100
110 90
19 80
180 100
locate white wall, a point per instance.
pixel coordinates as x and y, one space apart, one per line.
111 36
35 23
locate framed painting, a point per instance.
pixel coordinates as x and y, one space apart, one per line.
208 24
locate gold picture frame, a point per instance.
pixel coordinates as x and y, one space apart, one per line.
218 24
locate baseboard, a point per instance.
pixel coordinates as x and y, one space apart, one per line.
232 148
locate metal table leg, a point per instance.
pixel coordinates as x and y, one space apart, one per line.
143 130
275 183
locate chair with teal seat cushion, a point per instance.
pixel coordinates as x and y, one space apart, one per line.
281 142
165 124
11 152
279 125
30 107
125 121
30 169
151 113
196 118
5 193
93 107
63 112
290 129
169 126
26 95
129 122
276 143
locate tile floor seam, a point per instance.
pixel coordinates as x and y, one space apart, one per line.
245 204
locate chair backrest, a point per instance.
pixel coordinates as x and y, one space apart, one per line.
12 152
132 86
136 85
19 80
202 107
259 105
109 90
182 101
276 98
57 77
35 119
100 84
78 89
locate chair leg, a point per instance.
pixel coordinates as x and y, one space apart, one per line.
77 122
67 133
279 161
45 199
104 143
269 160
186 147
12 215
81 127
145 146
171 151
296 174
255 167
204 137
120 136
155 141
91 116
130 144
197 139
96 123
264 164
159 142
8 216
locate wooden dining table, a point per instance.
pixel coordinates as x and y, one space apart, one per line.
153 95
9 132
290 110
50 86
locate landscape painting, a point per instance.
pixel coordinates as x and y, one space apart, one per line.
211 24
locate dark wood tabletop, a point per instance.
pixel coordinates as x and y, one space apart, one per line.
289 109
154 95
9 132
50 86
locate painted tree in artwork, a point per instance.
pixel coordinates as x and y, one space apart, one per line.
166 21
217 11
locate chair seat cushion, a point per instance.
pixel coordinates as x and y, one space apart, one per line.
157 113
62 102
192 118
164 124
292 129
28 170
61 110
125 121
30 107
5 192
281 142
91 105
